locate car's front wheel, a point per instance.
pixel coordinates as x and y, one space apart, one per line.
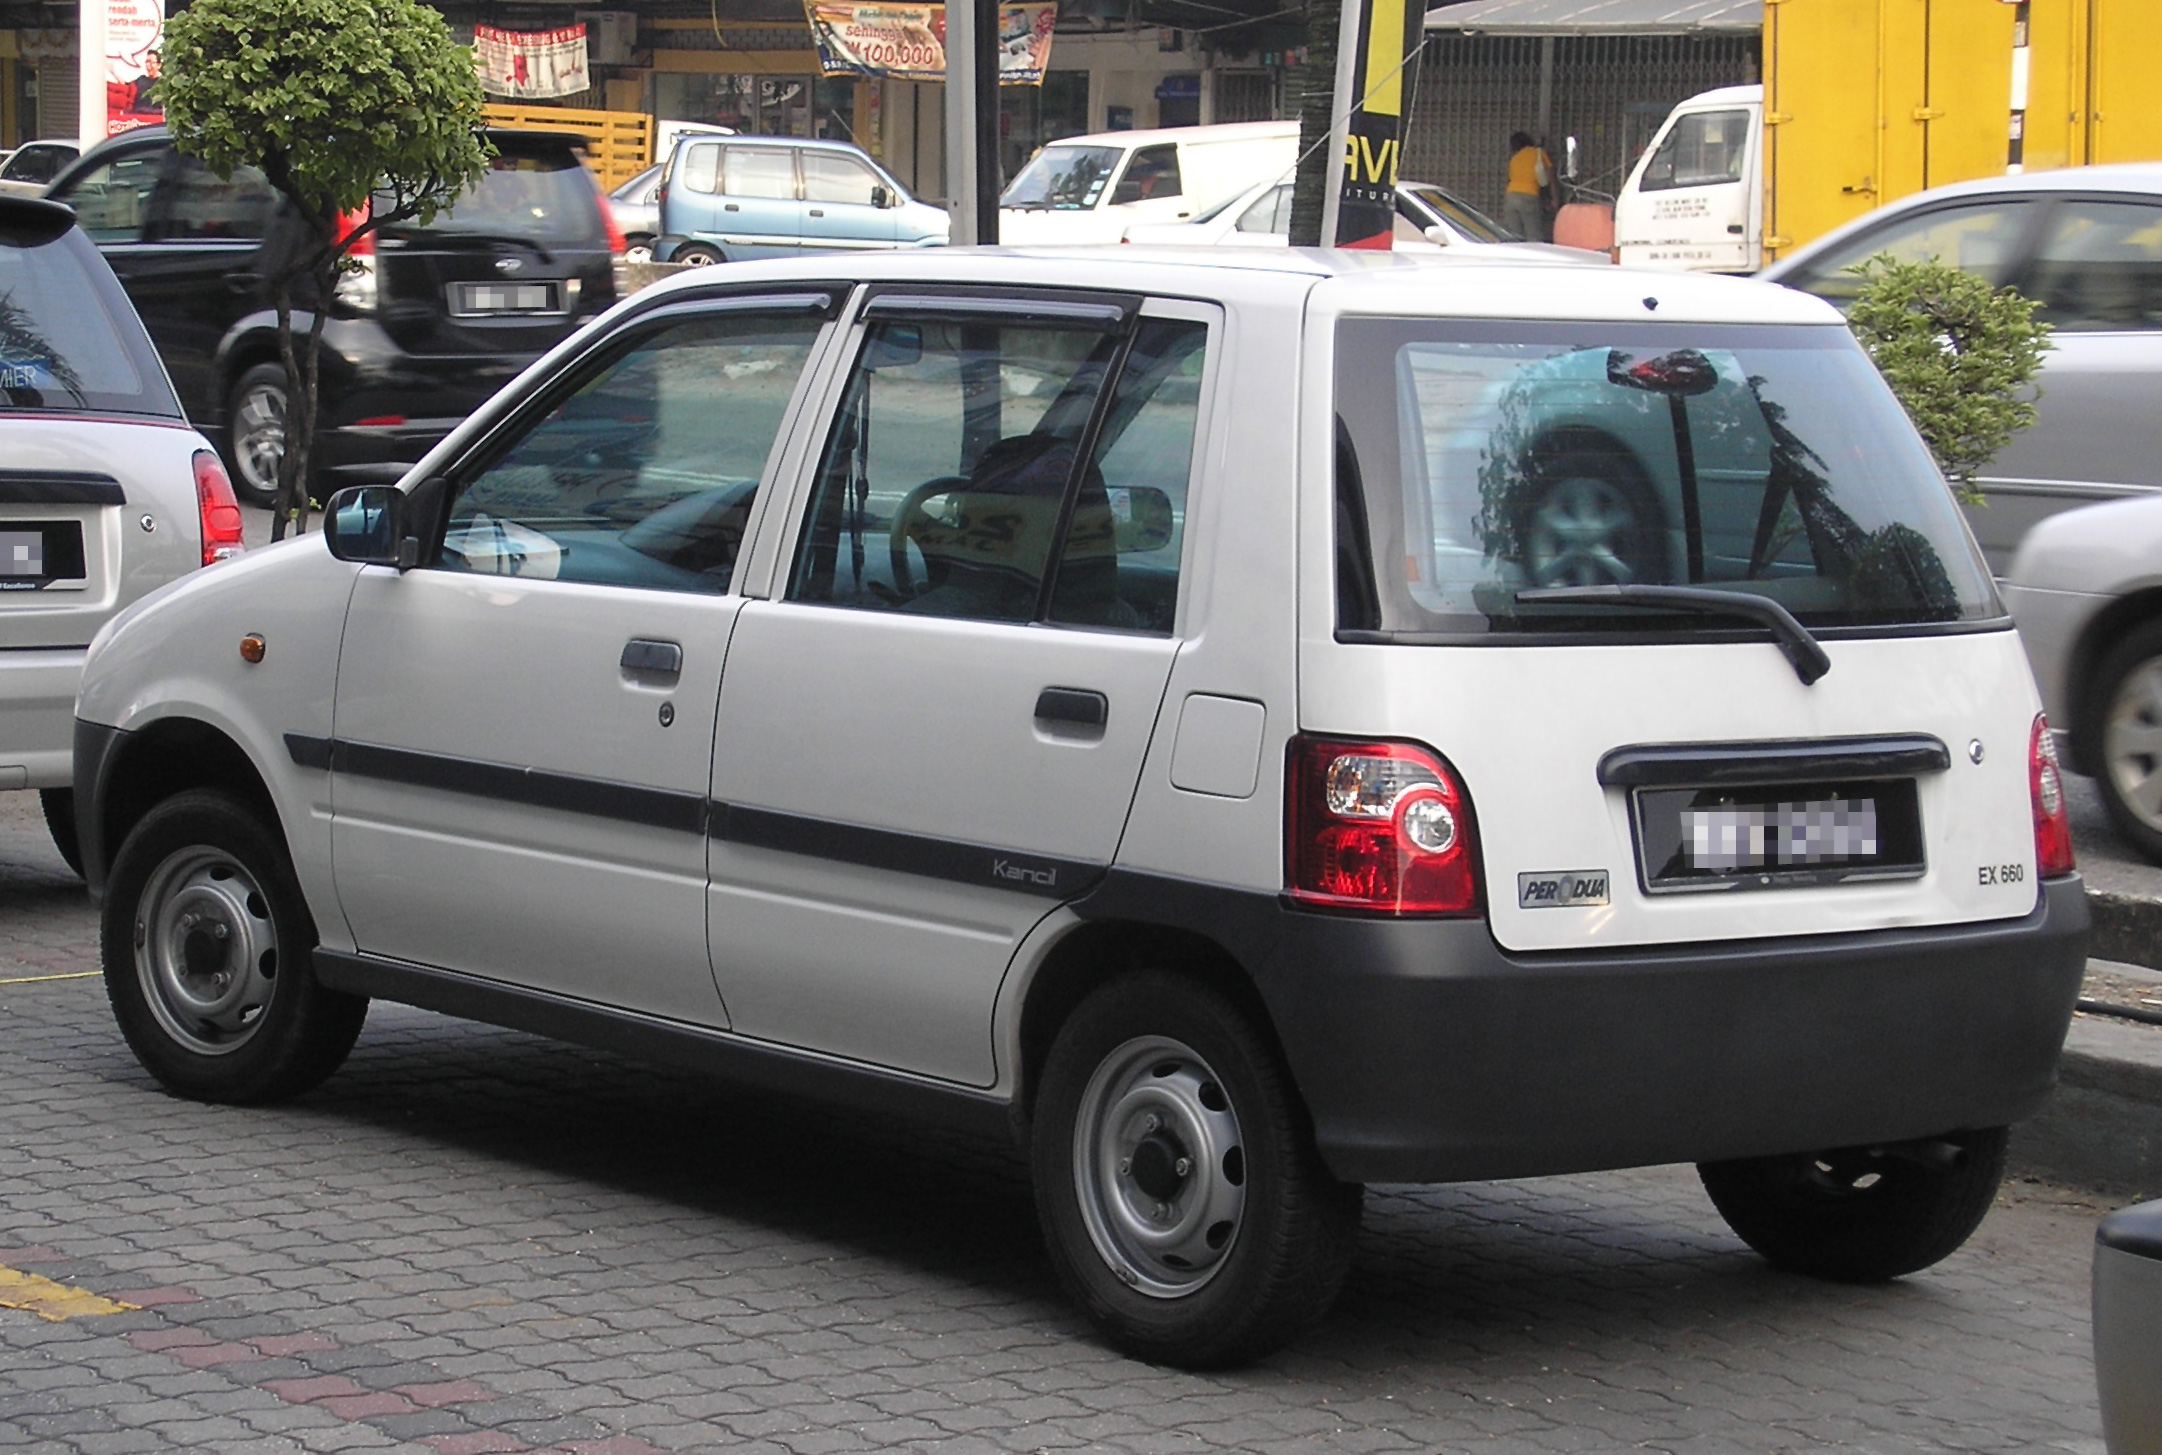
206 945
1861 1214
255 433
1181 1196
2126 749
1588 522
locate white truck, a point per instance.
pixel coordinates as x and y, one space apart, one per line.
1695 199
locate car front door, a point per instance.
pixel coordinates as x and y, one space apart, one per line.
930 736
839 206
524 724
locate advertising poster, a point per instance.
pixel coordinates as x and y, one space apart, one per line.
1387 32
134 29
908 42
532 65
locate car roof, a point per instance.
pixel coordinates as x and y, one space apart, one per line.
2128 177
808 143
1220 132
1465 282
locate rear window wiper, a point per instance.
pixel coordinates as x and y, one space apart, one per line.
1792 638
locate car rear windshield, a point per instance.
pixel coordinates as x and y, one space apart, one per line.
546 197
69 341
1479 460
1063 179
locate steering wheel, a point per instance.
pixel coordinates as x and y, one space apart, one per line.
904 525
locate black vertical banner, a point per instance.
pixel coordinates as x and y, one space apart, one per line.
1389 34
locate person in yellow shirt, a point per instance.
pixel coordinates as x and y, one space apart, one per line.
1533 191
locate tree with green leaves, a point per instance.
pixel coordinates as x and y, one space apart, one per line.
360 113
1960 355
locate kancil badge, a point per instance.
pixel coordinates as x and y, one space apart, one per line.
1374 93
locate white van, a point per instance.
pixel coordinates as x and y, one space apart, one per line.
1695 200
1090 189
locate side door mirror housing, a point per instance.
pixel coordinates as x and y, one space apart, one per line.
381 525
1438 235
881 197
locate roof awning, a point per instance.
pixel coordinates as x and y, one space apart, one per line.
1600 17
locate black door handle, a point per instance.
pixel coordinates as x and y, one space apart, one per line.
244 283
1076 705
640 654
818 212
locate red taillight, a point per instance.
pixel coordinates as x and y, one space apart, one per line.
217 509
1383 827
350 223
379 421
2052 817
616 242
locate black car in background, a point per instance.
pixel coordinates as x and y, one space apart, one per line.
432 322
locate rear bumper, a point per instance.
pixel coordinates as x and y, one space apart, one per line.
37 715
1426 1053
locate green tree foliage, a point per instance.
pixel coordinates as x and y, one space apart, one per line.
1960 355
340 104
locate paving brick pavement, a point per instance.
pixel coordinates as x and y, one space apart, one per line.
473 1241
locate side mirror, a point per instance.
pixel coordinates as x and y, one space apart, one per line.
380 525
1678 375
881 197
1438 235
1569 159
1142 518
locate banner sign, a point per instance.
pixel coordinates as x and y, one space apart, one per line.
908 42
134 29
1387 36
532 65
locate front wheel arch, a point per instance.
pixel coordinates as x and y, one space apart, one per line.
169 757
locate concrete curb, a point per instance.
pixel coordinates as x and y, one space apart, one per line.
2103 1127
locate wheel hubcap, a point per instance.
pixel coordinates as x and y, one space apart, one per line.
259 436
1576 535
2132 743
1160 1167
205 950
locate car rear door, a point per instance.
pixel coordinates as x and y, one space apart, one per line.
930 734
524 724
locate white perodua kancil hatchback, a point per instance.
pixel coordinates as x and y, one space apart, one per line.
1244 730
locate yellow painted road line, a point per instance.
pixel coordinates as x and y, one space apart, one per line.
53 1301
40 979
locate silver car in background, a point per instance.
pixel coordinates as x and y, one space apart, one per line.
2087 243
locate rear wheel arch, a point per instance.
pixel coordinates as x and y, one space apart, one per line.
1101 950
172 756
2096 640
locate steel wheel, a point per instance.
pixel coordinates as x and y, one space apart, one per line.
1583 532
2132 743
1160 1167
206 950
638 250
256 421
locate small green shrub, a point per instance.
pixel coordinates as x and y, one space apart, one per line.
1960 355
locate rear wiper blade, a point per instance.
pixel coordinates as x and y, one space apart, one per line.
1793 639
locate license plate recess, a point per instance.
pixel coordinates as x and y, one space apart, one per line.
1699 839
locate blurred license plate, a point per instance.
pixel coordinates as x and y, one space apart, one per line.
1777 836
33 555
471 298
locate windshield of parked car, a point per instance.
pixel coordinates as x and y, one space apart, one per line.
1063 179
69 341
544 197
1478 460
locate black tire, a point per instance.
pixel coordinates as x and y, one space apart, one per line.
1588 520
203 919
2123 736
1251 1236
698 255
255 416
638 248
59 806
1861 1215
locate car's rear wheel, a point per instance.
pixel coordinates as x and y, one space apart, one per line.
1181 1196
698 255
638 248
2127 748
1861 1214
255 433
59 807
206 943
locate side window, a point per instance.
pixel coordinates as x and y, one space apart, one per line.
1151 172
2099 267
830 178
1120 564
702 168
1982 239
1270 213
768 172
1703 150
191 201
645 473
112 202
943 482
